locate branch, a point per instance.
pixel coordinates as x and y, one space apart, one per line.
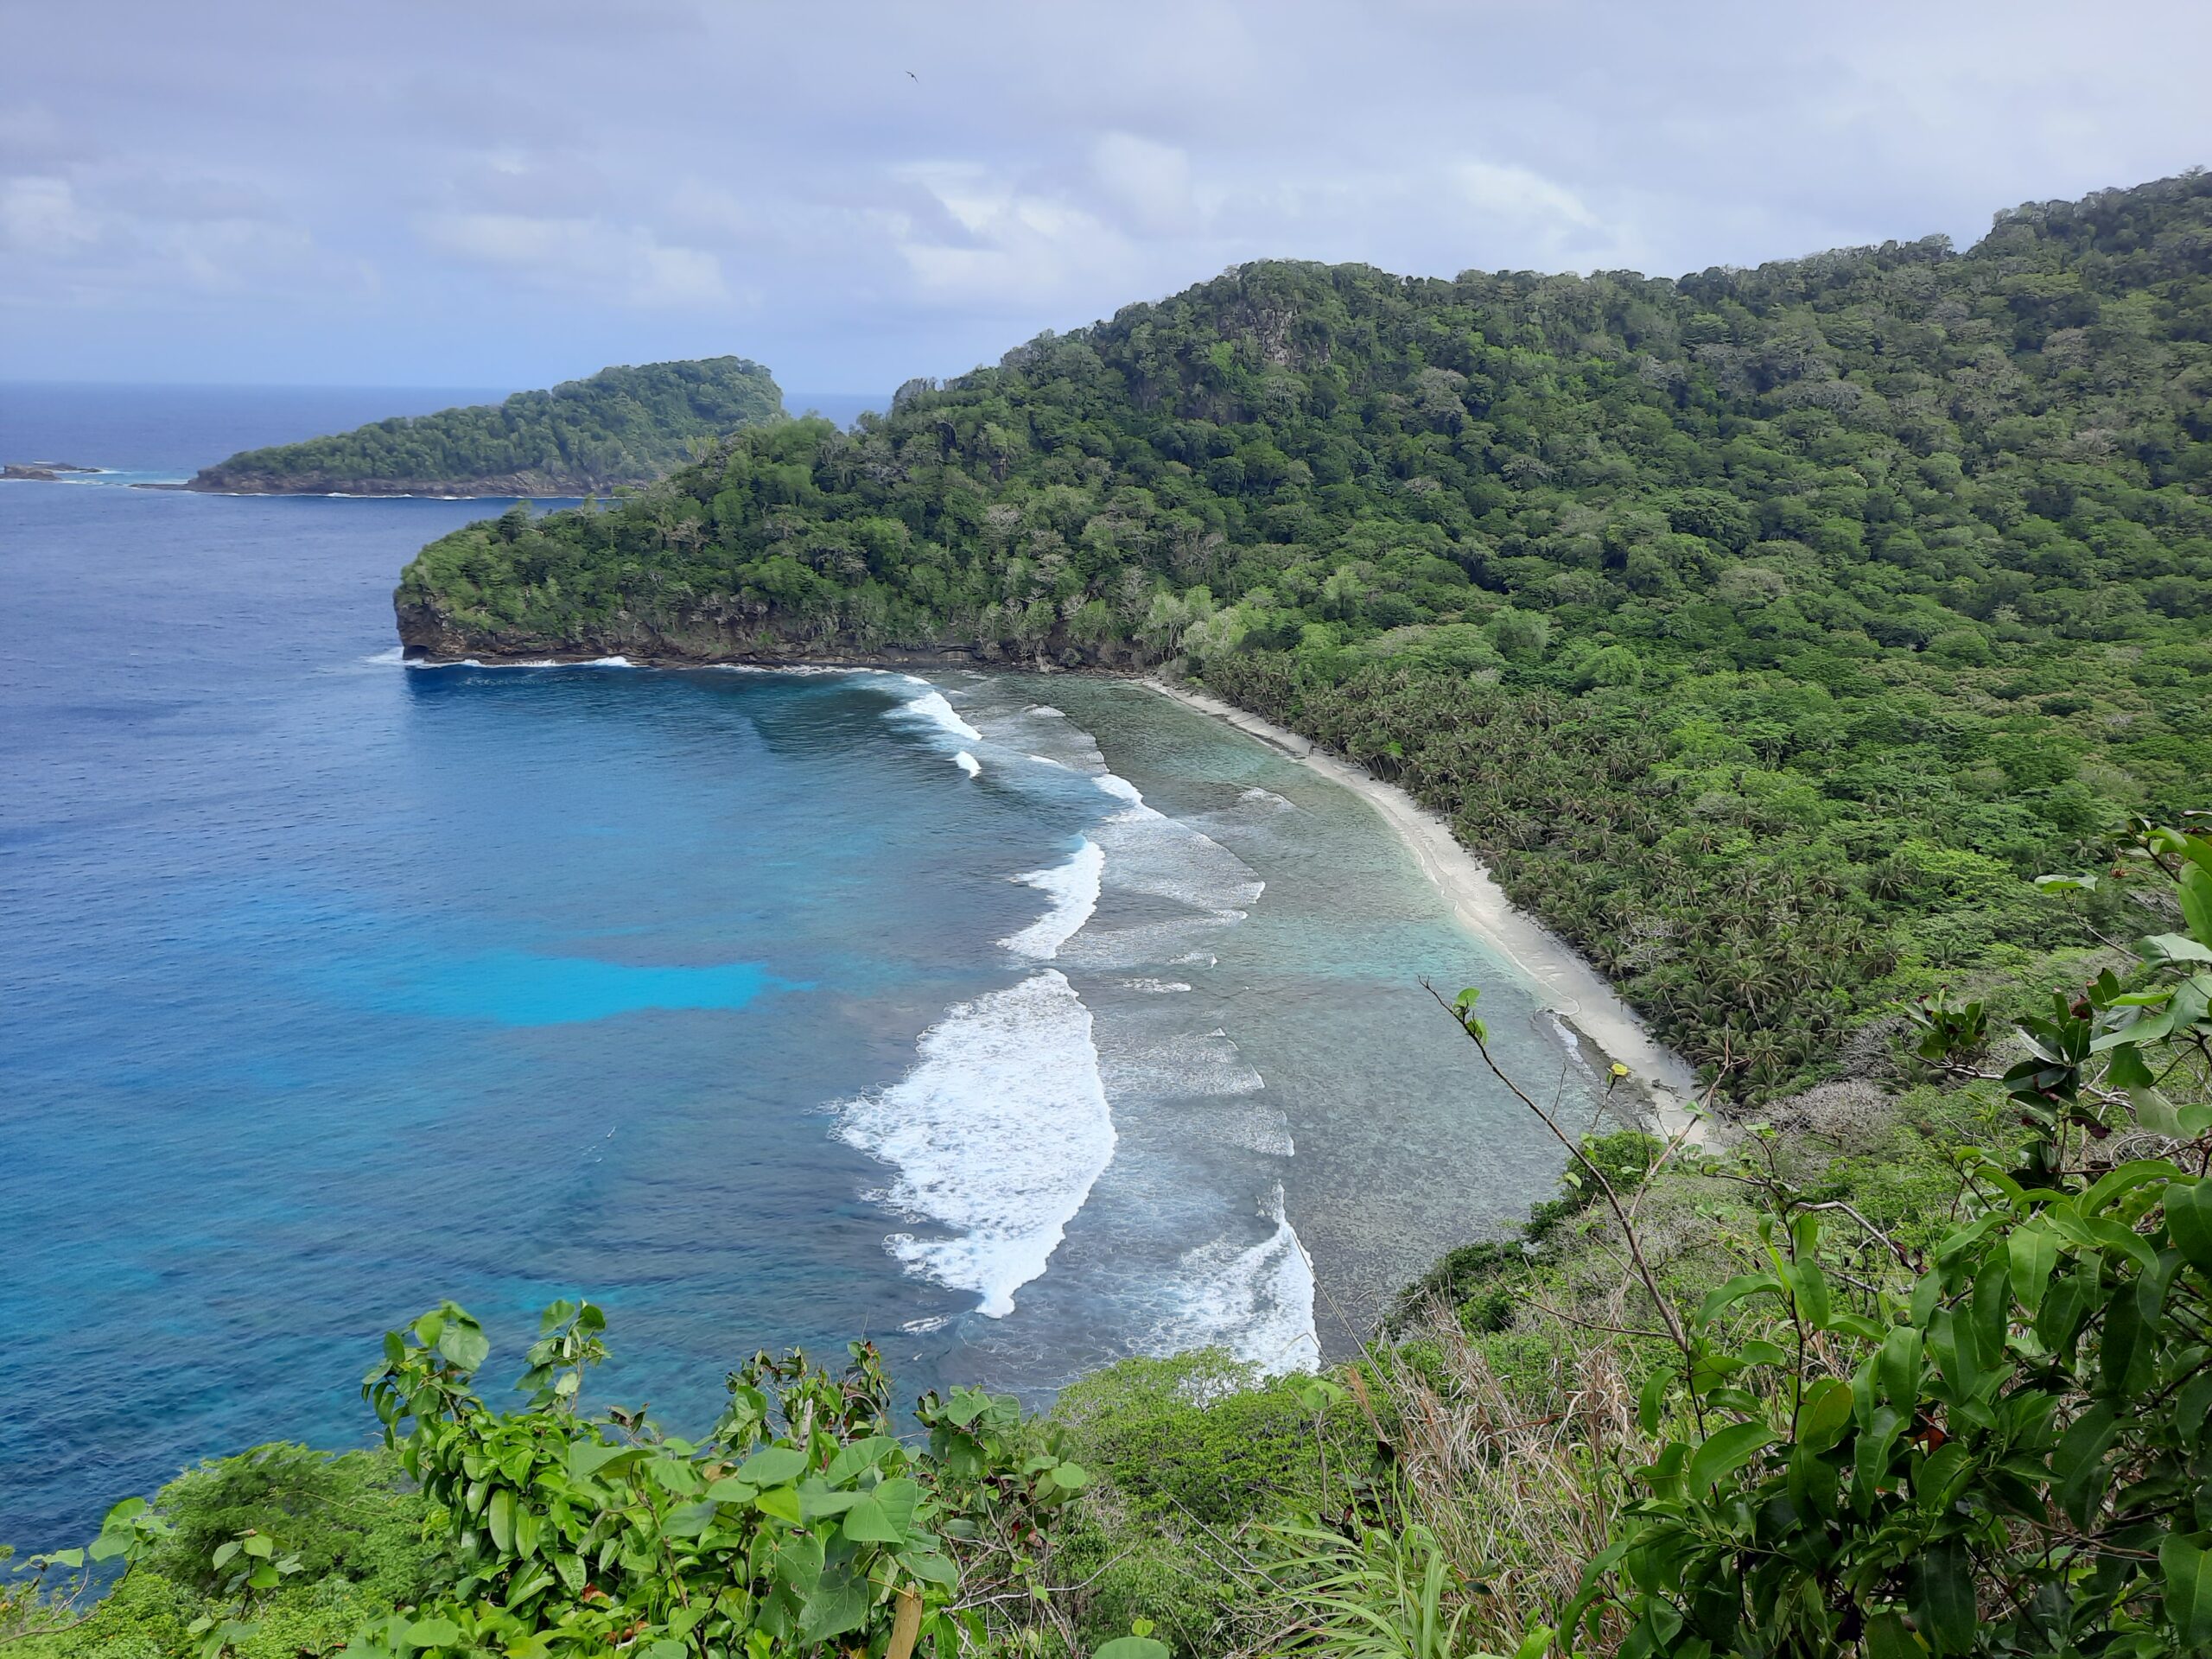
1674 1331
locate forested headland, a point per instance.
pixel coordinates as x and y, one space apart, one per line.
1763 629
622 426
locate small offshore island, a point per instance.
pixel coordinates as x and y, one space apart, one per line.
620 428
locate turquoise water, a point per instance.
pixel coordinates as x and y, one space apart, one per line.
1018 1023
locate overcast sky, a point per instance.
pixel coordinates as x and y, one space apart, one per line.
514 192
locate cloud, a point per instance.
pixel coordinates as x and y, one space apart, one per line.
43 218
859 195
1515 192
590 256
999 242
1149 181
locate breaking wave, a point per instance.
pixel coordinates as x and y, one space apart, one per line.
998 1132
1257 1301
932 710
1073 889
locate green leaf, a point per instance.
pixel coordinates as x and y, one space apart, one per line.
2174 947
2077 1462
501 1517
1720 1299
1730 1449
2189 1588
838 1604
930 1567
730 1490
2139 1172
2193 1410
2125 1349
2189 1223
1071 1477
463 1342
1942 1595
773 1465
781 1502
860 1454
1651 1401
815 1501
1898 1366
884 1515
2034 1253
690 1520
1889 1637
2195 892
1825 1414
588 1458
432 1633
1134 1647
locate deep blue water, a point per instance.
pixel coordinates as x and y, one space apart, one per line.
740 1002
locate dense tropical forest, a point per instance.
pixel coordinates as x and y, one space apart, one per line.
1763 628
622 426
1895 1375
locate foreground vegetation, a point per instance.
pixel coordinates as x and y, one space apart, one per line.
621 426
1763 628
1928 1374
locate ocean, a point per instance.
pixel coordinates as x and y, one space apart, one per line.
1018 1023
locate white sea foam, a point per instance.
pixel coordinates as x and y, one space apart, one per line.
536 662
932 708
998 1133
1157 987
969 763
1148 853
1123 790
1257 1301
1073 889
391 658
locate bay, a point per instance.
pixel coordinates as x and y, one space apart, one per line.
740 1002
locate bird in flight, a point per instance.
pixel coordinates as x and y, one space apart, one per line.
910 75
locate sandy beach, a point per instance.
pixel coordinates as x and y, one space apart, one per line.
1568 985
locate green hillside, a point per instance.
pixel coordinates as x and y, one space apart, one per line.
1763 627
622 426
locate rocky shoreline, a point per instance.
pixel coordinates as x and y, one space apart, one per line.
506 486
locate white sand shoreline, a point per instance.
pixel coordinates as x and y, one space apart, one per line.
1550 967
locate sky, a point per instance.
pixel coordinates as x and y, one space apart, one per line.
490 193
